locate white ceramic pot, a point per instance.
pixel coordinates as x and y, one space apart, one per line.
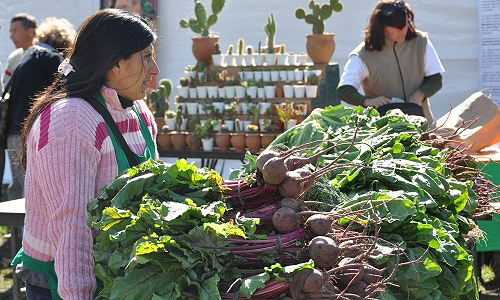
283 75
230 60
212 92
249 75
270 91
292 59
201 109
240 60
218 106
244 125
299 90
249 60
183 91
271 59
282 59
291 123
221 92
241 75
311 91
288 91
184 124
302 59
208 144
275 76
230 92
261 93
263 106
217 127
258 59
240 91
229 124
290 74
243 108
266 75
218 59
299 75
202 91
192 108
307 73
257 75
252 92
193 94
170 124
200 75
317 72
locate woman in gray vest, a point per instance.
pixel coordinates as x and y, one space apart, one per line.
395 63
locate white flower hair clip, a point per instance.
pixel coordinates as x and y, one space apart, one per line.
65 67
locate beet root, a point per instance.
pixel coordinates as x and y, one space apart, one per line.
274 171
323 251
291 203
264 157
314 282
292 185
319 224
286 220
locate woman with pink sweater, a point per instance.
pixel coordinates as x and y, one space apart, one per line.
84 130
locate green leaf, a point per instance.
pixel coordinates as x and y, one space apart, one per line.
217 6
201 14
250 285
111 216
138 284
209 290
211 20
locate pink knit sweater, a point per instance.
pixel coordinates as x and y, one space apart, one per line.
69 158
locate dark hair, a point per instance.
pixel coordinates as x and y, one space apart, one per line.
103 39
28 21
391 13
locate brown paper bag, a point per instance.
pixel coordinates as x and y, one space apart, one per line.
483 132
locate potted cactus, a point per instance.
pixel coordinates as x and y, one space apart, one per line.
217 56
252 138
312 83
270 30
238 138
320 46
163 138
158 101
223 138
205 131
240 57
204 46
269 134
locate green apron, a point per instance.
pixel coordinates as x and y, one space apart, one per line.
123 164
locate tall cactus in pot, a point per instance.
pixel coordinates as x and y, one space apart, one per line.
270 30
203 47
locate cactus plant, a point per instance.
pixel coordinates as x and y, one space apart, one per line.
241 46
270 30
282 49
249 50
217 48
202 23
237 125
319 14
230 49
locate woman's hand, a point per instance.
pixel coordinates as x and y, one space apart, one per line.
417 97
376 102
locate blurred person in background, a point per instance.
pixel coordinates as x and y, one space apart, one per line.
395 63
35 72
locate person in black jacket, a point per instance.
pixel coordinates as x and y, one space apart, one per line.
35 72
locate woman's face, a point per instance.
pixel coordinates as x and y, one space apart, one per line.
396 34
134 74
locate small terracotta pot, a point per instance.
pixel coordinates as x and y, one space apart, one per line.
163 141
193 142
159 123
238 141
320 47
252 141
223 141
203 48
266 139
178 140
279 92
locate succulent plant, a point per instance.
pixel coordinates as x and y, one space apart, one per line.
230 49
217 48
282 49
237 125
270 30
202 23
319 14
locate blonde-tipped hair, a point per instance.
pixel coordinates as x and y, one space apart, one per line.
56 32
